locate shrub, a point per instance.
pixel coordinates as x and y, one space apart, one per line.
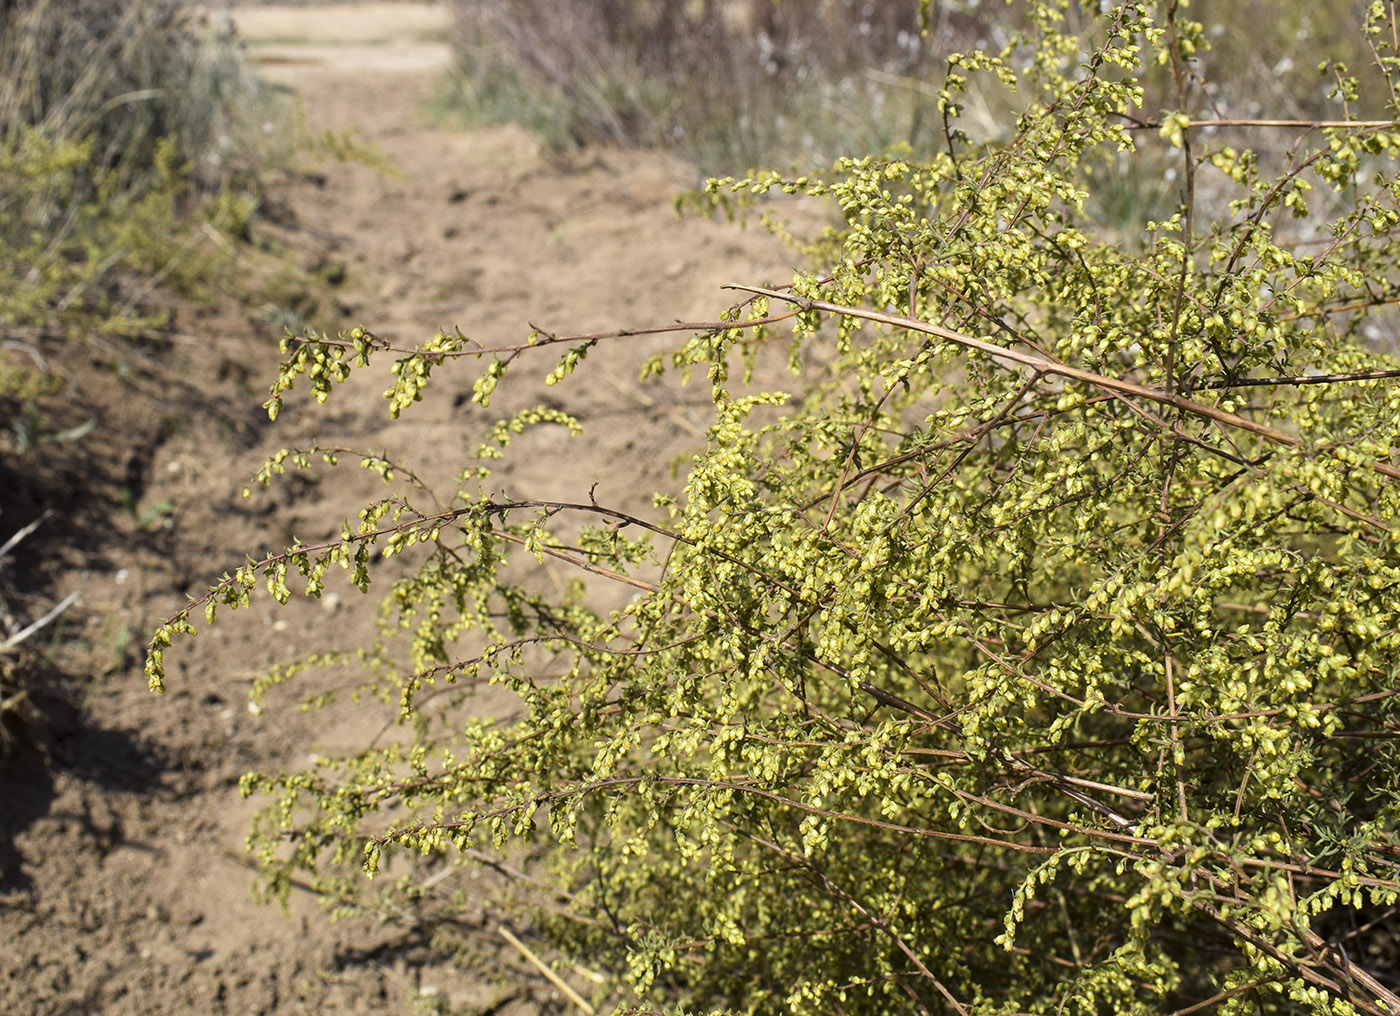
1033 652
726 84
117 122
131 146
124 79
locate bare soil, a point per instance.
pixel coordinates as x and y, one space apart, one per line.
124 888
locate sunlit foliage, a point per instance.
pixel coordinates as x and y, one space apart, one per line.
1034 651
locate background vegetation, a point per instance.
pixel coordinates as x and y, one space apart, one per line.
728 84
737 83
131 142
124 132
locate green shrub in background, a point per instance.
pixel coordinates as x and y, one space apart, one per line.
127 78
82 253
126 167
1033 651
1263 56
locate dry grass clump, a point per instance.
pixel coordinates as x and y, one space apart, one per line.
123 75
735 83
728 83
130 144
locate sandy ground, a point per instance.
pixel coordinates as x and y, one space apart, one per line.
123 885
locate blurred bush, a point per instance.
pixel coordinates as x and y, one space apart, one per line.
123 76
130 142
727 83
736 83
1264 57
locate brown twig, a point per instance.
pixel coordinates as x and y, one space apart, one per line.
1150 124
543 338
1305 379
1044 366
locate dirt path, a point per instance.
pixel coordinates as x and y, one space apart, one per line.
125 890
